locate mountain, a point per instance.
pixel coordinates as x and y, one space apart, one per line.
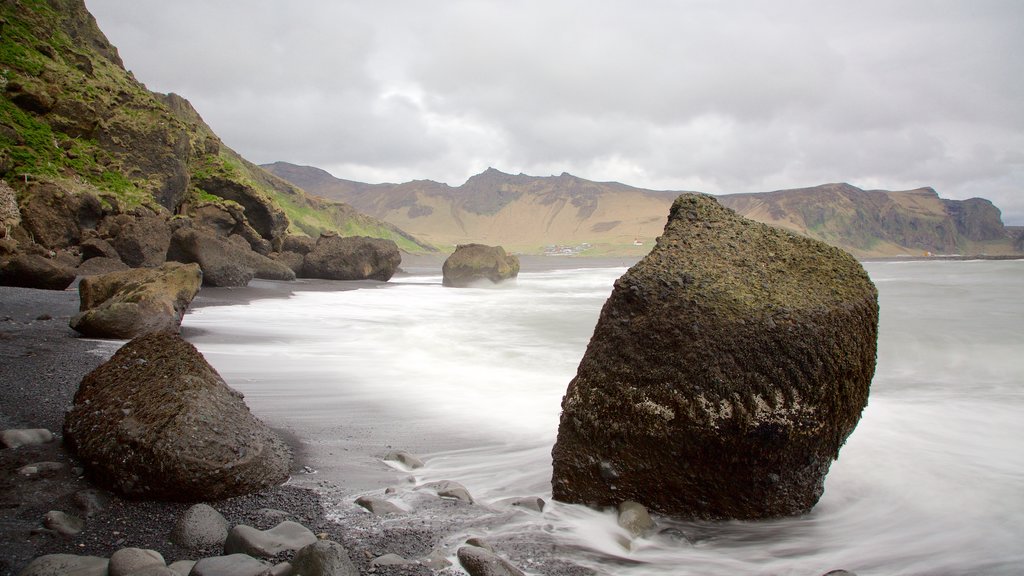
72 119
529 214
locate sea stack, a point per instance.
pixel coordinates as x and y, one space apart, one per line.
726 370
471 263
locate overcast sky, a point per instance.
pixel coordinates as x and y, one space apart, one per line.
708 95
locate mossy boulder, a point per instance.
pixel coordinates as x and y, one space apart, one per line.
156 421
725 371
352 258
471 263
138 301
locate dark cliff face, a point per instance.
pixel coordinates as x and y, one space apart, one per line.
976 219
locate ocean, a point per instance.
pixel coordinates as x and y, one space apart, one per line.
931 481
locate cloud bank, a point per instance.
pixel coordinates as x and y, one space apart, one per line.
709 95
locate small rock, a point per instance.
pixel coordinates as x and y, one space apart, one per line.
155 570
529 502
128 560
323 558
231 565
479 543
25 437
41 469
199 528
402 457
437 560
391 560
182 567
64 524
450 489
284 537
634 518
283 569
274 515
480 562
65 564
90 501
379 506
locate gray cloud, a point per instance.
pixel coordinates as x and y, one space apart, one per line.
717 96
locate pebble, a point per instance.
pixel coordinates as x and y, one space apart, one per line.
91 501
529 502
41 469
391 560
15 438
450 489
201 527
62 523
231 565
182 567
379 506
480 562
64 564
284 537
126 561
404 458
324 557
634 517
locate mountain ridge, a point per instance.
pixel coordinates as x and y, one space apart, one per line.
532 214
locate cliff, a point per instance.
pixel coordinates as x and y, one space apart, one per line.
72 117
529 214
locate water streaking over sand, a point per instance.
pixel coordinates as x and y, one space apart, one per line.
930 482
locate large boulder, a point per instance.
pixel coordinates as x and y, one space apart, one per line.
35 271
133 302
156 421
141 239
725 371
56 217
226 261
352 258
471 263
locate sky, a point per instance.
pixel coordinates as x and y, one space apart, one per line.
716 96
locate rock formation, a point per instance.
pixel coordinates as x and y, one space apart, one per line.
134 302
35 271
156 421
352 258
471 263
726 370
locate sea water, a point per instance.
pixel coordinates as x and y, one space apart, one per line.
931 482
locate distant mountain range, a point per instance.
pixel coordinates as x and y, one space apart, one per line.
531 214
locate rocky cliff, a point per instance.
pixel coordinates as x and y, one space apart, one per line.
527 213
73 119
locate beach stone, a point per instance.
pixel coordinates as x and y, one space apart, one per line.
200 528
157 421
471 263
283 569
91 501
182 567
726 370
479 543
634 517
16 437
450 489
392 560
133 302
66 565
379 506
155 570
480 562
839 573
436 560
529 502
323 558
230 565
404 458
63 523
35 271
41 469
127 561
352 258
284 537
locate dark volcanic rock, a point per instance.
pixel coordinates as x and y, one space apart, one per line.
133 302
55 217
352 258
157 421
726 370
34 271
474 262
224 262
142 240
